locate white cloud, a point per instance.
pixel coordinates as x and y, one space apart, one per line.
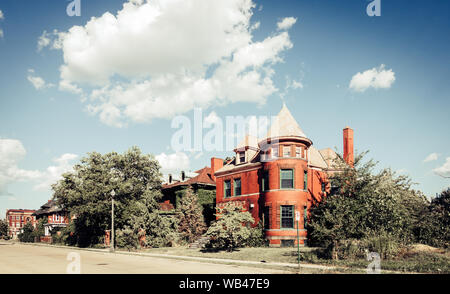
444 170
157 59
51 40
53 173
37 82
286 23
174 162
377 78
431 157
12 152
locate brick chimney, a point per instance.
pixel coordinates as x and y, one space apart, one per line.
216 164
348 146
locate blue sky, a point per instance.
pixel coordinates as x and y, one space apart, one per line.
401 115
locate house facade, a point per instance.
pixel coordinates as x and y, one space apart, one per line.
56 218
17 218
279 177
202 181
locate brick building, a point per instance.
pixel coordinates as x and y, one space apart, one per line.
202 181
56 218
17 218
279 175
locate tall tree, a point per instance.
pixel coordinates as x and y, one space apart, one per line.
192 223
86 193
3 228
364 203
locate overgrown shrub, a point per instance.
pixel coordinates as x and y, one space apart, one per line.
27 233
231 230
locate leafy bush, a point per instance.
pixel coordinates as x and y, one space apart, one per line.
27 233
231 230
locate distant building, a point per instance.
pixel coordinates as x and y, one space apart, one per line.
17 218
202 181
56 218
279 177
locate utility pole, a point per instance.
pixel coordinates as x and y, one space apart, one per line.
113 193
297 219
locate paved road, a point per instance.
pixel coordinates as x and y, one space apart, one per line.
28 259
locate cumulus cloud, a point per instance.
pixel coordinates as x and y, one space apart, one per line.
37 82
431 157
12 152
174 162
158 59
377 78
54 173
286 23
444 170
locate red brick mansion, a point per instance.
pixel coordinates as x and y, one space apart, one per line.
277 176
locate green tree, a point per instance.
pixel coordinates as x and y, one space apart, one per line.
86 193
27 233
3 228
192 223
231 230
363 204
434 227
39 231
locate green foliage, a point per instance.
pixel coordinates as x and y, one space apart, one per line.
192 224
257 237
86 193
27 233
206 198
363 204
434 226
3 228
231 230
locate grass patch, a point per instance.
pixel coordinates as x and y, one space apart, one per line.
420 262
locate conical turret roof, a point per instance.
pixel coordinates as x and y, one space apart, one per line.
285 125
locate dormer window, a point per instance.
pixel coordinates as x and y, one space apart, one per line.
241 157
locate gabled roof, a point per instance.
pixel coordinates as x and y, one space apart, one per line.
203 177
315 159
285 125
48 208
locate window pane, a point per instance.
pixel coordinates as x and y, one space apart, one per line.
237 187
287 216
227 186
287 178
266 217
265 181
286 151
241 157
298 152
305 180
275 152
